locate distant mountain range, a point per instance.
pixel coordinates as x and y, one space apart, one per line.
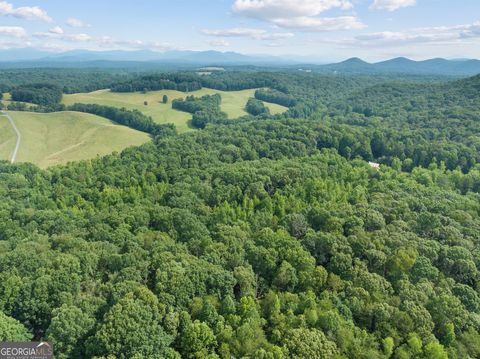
437 66
22 58
25 56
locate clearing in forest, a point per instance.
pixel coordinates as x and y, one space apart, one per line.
56 138
233 103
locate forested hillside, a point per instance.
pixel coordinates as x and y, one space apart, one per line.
268 236
243 240
418 122
70 80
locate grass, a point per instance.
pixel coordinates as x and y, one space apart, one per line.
233 103
7 139
57 138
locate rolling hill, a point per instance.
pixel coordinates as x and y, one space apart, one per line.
57 138
233 103
7 139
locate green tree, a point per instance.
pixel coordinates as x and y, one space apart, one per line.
255 107
68 330
309 343
132 327
198 340
12 330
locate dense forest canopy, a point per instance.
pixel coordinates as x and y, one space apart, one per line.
275 96
205 109
260 237
39 94
70 80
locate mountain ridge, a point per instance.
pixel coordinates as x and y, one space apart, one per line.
28 58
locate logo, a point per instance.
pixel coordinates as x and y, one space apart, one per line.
26 350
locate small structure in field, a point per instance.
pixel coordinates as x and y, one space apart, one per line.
206 71
374 165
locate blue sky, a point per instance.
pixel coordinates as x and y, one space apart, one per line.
325 30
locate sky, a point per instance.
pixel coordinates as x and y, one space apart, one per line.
321 30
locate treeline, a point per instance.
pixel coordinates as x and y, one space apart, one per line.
236 81
133 119
43 94
184 82
69 80
275 96
189 81
23 106
205 109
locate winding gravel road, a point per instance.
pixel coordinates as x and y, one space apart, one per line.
19 136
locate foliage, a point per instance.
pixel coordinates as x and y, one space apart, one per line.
275 96
194 104
70 80
256 107
205 109
184 82
11 330
46 95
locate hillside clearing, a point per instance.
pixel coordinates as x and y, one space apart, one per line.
56 138
233 103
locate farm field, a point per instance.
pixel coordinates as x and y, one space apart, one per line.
233 103
57 138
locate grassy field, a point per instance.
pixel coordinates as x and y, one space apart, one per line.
57 138
7 139
233 103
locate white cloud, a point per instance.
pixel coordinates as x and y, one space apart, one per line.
219 43
426 35
72 22
302 15
54 47
252 33
108 41
391 5
57 30
15 31
57 40
78 37
13 45
321 24
472 30
24 12
281 9
111 43
63 37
